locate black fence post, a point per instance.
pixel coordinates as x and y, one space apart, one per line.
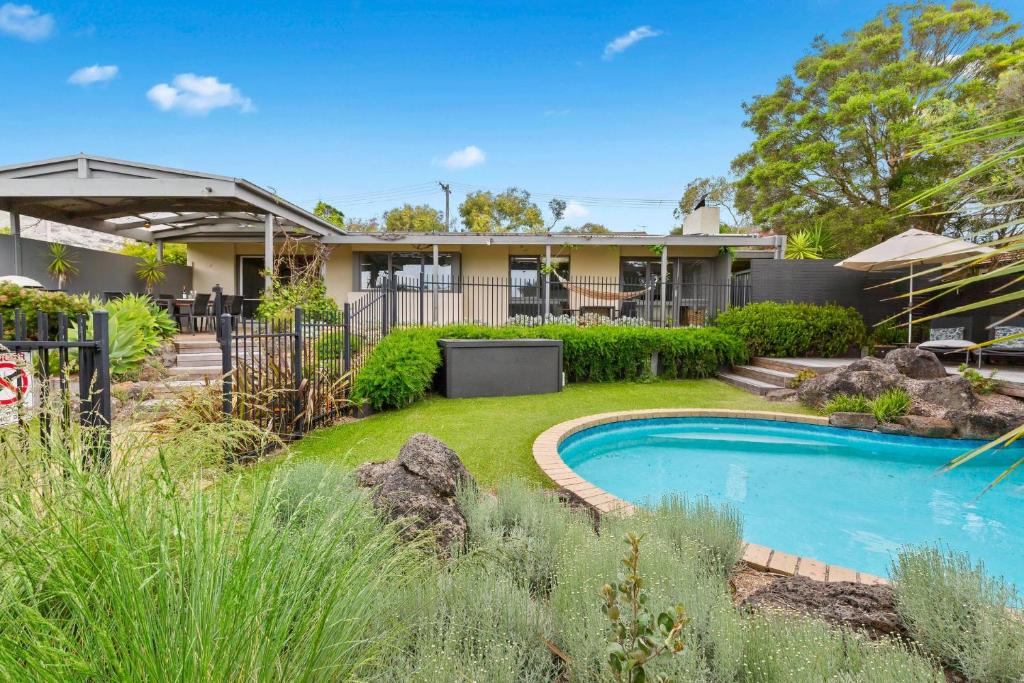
385 313
297 421
218 306
423 284
101 334
346 329
224 338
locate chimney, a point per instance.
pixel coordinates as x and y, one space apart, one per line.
703 221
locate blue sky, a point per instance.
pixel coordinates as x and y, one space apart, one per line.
364 104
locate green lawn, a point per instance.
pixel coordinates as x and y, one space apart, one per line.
494 436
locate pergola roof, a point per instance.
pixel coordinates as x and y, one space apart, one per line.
150 203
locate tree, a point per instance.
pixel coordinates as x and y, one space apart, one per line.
173 253
62 266
717 191
409 218
834 140
587 229
329 214
510 211
151 271
557 208
362 225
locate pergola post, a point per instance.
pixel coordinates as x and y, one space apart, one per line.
435 272
547 281
268 254
159 251
16 234
664 277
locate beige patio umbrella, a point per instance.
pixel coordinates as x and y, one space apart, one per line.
908 249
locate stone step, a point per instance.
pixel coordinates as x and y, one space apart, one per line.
197 372
176 386
196 347
192 360
767 375
755 386
786 365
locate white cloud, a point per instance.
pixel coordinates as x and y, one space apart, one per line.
25 22
556 112
465 157
624 42
197 95
575 210
88 75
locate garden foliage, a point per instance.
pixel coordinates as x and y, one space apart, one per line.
795 330
28 301
312 297
401 369
959 614
137 328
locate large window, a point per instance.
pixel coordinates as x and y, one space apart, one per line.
374 268
526 285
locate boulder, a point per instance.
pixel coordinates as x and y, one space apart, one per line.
979 424
937 396
867 376
920 425
865 421
916 363
419 488
870 609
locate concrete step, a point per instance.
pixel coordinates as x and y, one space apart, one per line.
767 375
756 386
786 365
196 347
197 372
192 360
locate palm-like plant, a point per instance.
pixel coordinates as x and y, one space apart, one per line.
150 271
809 243
61 266
1003 267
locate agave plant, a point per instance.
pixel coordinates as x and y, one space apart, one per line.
136 328
1003 267
61 266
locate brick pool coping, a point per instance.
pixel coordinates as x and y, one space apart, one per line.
545 453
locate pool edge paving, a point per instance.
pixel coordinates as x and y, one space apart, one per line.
547 457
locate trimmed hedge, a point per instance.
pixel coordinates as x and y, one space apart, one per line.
401 369
793 330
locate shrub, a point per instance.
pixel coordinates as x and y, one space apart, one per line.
846 403
311 296
118 577
401 368
791 330
28 301
890 404
980 383
137 329
332 345
959 614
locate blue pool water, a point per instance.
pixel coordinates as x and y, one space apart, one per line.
839 496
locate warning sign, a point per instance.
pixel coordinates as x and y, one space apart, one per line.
15 386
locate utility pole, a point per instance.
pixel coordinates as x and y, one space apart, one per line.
447 196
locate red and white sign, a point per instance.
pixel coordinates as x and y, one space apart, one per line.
15 386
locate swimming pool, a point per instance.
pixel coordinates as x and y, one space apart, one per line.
839 496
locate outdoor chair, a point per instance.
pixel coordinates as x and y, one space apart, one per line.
184 314
201 310
949 335
233 306
1012 349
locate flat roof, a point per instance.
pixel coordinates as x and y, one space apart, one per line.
555 239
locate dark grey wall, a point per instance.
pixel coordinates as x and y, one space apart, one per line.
98 271
821 282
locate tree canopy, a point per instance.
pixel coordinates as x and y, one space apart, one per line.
329 214
509 211
409 218
587 229
835 141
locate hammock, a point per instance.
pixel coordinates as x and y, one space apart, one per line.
601 295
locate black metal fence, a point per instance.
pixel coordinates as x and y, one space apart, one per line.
37 375
497 301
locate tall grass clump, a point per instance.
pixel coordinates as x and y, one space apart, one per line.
890 404
847 403
958 613
130 575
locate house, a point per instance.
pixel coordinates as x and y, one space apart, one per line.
232 228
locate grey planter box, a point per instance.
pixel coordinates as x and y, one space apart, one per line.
500 367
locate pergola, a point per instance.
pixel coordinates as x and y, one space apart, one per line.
151 204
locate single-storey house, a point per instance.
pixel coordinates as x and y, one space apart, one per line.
232 228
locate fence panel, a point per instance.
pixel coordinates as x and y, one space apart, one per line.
46 356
